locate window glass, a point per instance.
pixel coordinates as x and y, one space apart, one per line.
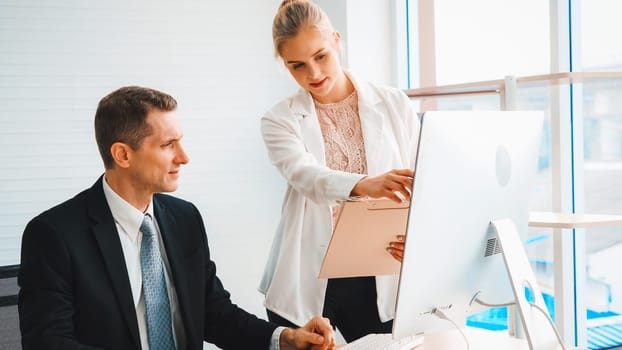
602 173
489 39
600 35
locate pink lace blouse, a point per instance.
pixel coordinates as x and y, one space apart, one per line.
343 136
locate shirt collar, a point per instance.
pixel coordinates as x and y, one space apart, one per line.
124 214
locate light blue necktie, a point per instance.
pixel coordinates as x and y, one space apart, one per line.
159 327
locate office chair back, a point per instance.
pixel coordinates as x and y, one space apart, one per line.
10 338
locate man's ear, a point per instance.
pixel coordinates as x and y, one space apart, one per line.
121 153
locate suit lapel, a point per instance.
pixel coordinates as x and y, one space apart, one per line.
107 237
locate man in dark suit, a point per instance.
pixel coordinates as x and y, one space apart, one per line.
122 266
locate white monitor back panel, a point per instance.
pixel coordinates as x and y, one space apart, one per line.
472 167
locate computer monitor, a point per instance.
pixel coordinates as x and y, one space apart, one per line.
473 167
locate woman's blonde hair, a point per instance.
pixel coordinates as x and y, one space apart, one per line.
296 15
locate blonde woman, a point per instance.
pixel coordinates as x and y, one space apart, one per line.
337 137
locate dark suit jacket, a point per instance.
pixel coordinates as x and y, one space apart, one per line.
75 291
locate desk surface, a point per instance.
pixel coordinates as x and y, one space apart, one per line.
568 220
479 339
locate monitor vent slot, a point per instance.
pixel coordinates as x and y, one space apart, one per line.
492 247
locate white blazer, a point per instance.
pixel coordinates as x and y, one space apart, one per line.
291 132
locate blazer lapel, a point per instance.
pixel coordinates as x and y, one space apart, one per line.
372 123
303 108
107 237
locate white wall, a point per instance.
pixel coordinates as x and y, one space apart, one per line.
57 59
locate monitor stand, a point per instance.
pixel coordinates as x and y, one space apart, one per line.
537 326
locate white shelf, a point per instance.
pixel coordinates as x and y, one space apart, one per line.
568 220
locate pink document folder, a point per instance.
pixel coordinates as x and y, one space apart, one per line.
360 238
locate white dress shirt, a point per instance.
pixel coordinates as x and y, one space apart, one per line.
128 220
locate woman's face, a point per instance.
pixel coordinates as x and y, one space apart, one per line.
313 61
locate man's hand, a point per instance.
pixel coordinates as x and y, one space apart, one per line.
396 248
317 334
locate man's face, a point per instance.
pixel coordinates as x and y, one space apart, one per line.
155 166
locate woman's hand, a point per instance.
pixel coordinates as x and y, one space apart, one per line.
396 248
395 185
